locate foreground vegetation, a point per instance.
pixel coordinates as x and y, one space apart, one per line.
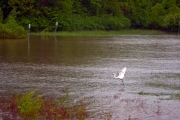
31 107
87 15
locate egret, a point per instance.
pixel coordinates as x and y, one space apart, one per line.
121 74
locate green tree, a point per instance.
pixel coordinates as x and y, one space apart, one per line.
171 21
94 6
22 6
139 12
125 8
90 14
65 7
5 8
24 11
168 3
156 16
78 8
172 17
111 7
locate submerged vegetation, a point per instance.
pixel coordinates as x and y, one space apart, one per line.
164 86
166 75
87 15
31 107
170 96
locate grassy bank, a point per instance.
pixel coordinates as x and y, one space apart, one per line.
103 33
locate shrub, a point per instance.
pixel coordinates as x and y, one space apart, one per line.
30 106
11 29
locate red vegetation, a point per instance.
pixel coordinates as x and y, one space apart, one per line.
50 110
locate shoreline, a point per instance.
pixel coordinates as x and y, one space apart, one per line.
99 33
102 33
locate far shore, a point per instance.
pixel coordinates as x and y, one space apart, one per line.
102 33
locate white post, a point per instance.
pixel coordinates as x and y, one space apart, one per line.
29 28
56 24
178 27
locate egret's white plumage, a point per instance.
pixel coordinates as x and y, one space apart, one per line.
121 74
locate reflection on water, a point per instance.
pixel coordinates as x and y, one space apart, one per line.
84 65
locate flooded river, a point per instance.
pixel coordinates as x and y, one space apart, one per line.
85 66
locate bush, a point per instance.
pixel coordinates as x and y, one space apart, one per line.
11 29
30 106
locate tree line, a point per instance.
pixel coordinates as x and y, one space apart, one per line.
77 15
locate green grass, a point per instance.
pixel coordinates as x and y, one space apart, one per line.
102 33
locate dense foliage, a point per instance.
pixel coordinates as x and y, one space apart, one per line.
76 15
10 29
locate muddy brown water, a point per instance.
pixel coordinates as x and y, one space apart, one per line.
84 66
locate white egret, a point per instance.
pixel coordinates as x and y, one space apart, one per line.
121 74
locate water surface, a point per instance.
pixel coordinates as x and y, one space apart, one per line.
84 65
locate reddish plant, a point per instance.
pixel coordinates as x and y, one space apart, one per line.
50 109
